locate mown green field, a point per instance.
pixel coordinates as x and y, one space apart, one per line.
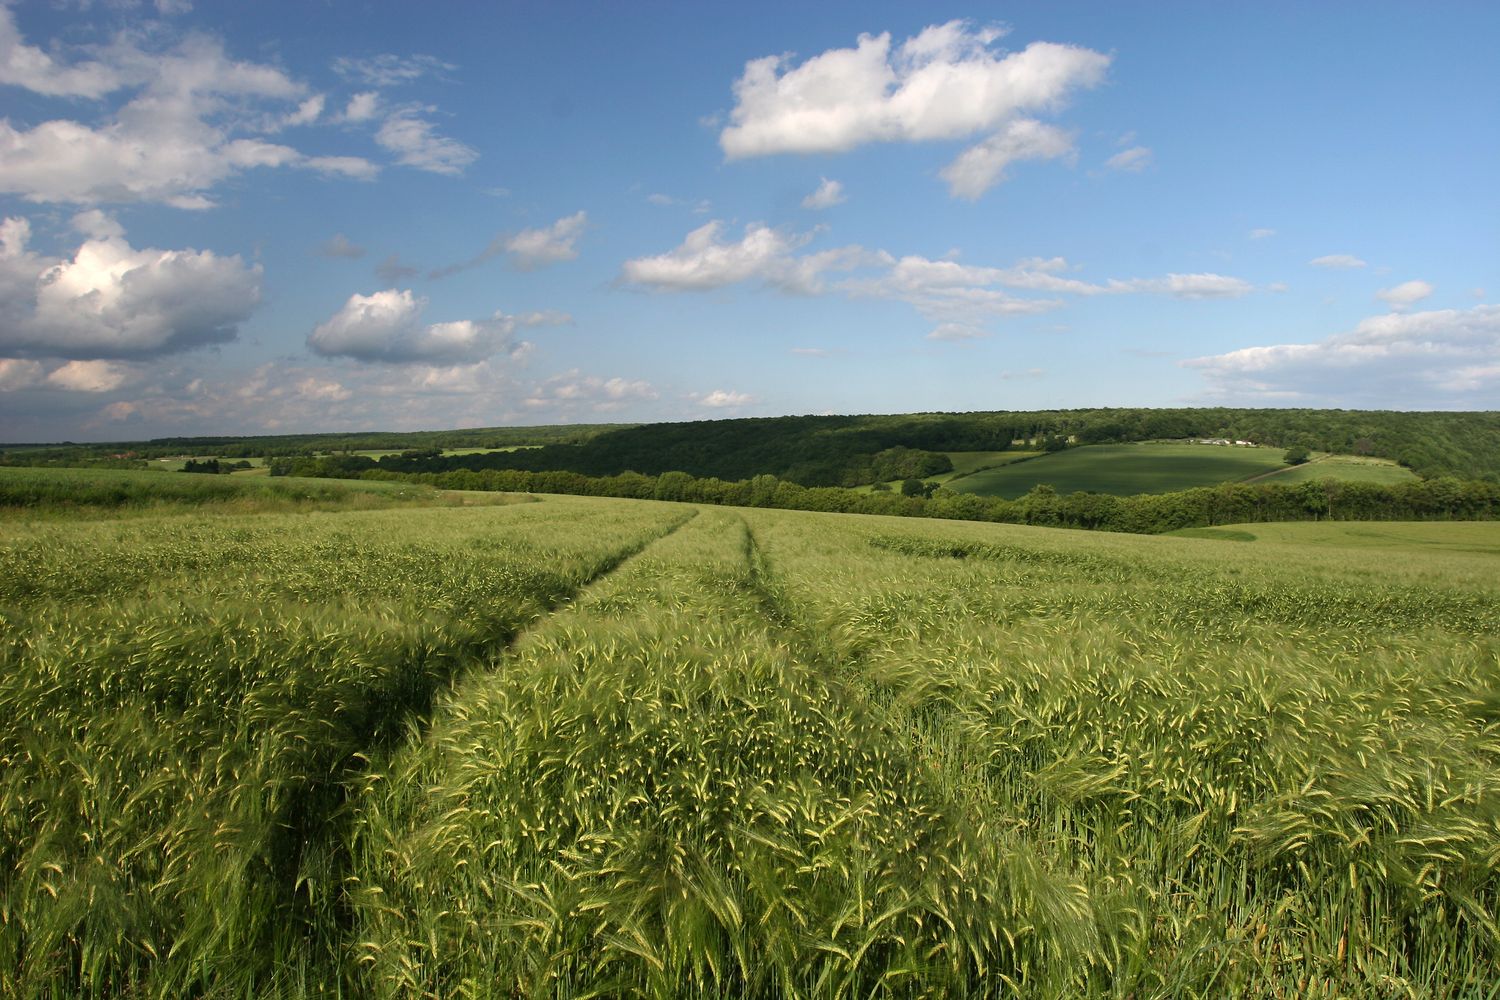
586 747
1346 468
1123 469
1406 537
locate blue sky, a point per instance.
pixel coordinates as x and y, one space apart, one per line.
278 217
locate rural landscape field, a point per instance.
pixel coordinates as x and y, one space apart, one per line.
445 745
781 501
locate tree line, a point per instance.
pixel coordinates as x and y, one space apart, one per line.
846 450
854 450
1442 498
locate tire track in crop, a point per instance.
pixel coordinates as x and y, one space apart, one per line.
606 569
328 815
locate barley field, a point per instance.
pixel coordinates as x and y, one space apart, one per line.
587 747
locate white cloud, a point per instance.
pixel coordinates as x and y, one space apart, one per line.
23 65
182 132
1395 360
1134 159
90 376
387 327
1406 294
1262 234
20 373
572 391
340 245
811 352
362 106
178 398
946 292
944 83
533 248
1337 261
1188 286
720 399
981 167
416 142
111 300
307 112
98 225
706 261
828 194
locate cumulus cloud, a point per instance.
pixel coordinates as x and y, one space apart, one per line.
1406 294
1135 159
1337 261
362 106
1423 359
572 391
20 373
416 143
720 399
23 65
111 300
947 82
191 123
387 327
90 376
944 83
181 397
705 260
533 248
828 194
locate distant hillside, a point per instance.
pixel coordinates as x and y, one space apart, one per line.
273 445
838 450
850 450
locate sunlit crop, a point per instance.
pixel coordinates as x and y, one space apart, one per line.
611 748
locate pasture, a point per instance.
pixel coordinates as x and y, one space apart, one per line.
587 747
1345 468
1124 469
1402 537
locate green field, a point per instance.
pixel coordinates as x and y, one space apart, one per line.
1123 469
1347 468
50 492
1479 538
625 748
965 463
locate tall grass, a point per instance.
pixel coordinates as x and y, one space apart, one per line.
63 493
185 702
597 748
1272 776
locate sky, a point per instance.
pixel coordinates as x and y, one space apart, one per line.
276 217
